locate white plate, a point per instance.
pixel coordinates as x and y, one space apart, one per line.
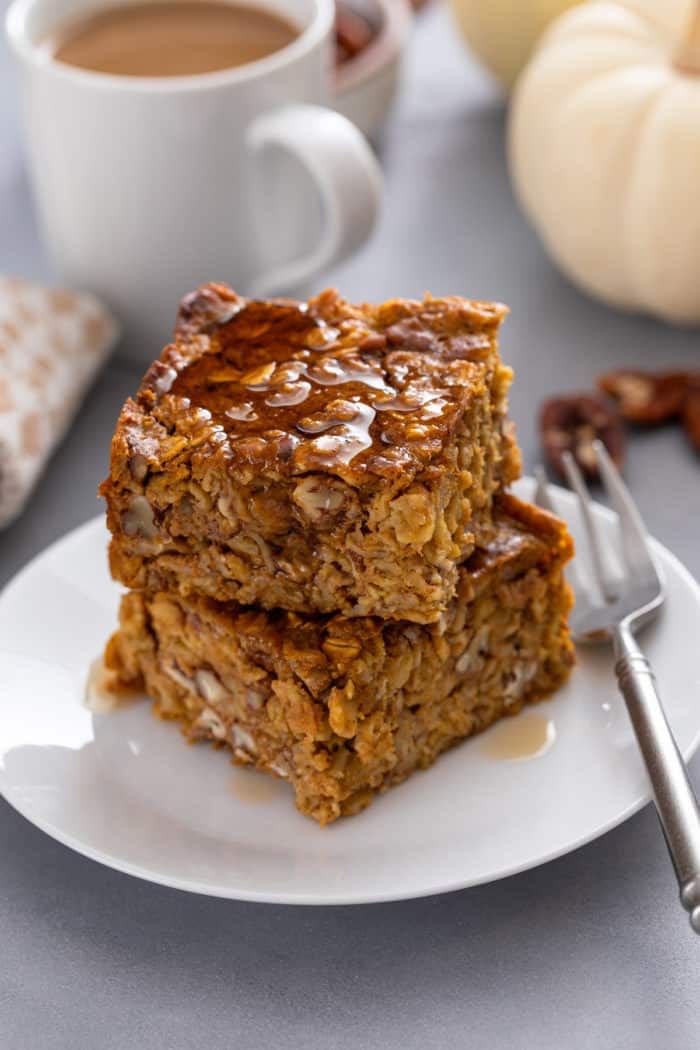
123 789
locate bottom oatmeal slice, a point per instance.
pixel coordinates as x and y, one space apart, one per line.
345 707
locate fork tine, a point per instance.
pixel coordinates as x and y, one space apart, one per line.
633 534
604 591
573 569
542 497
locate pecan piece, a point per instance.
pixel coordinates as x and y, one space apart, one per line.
318 497
139 520
572 424
646 397
138 466
691 416
411 334
353 33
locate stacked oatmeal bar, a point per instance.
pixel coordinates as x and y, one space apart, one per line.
308 505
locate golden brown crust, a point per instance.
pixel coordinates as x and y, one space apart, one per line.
524 535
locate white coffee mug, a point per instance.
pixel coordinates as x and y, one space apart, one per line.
149 186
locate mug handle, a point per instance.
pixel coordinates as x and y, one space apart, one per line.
340 163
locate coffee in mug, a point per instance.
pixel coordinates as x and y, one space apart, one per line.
169 38
157 177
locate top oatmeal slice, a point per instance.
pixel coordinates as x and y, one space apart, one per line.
313 456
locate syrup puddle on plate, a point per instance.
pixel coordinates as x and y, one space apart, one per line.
522 737
250 786
101 695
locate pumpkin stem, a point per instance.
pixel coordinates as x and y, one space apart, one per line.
686 56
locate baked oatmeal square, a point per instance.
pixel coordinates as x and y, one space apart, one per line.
315 457
345 707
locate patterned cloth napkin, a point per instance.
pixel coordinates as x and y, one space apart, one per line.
51 345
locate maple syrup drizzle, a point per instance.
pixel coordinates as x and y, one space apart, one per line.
351 435
244 413
269 359
103 693
248 785
294 393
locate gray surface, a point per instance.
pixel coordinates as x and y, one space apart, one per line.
590 951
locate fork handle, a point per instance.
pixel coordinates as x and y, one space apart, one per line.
675 800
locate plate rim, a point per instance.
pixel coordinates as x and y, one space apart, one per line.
345 899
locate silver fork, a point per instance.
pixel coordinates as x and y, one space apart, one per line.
614 609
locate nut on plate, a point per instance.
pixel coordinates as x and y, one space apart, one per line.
647 397
572 423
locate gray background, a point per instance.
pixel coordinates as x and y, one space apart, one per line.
592 950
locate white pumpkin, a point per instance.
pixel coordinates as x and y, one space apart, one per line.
604 149
502 33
